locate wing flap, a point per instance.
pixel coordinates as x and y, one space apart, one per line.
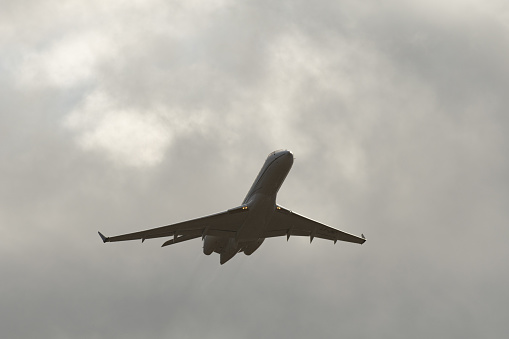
180 239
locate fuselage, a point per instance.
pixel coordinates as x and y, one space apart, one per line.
261 205
271 176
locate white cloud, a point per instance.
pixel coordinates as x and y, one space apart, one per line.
127 136
389 95
132 137
68 61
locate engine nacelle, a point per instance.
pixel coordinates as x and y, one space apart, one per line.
252 246
214 244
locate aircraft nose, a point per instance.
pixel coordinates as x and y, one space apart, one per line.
289 157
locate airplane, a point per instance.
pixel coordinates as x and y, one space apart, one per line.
245 227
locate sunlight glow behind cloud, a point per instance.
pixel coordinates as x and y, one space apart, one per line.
128 137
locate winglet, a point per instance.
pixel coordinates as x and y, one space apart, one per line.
104 239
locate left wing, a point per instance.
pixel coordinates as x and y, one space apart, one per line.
220 224
286 222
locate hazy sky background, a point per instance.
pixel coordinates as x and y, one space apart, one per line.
124 115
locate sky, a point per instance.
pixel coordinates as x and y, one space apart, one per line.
120 116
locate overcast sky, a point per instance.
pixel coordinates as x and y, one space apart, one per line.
125 115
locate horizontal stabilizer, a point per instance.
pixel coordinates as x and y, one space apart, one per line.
104 239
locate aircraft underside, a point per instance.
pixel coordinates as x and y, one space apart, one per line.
228 247
244 228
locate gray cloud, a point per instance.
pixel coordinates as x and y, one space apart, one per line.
121 117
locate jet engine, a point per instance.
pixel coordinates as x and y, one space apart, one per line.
214 244
252 246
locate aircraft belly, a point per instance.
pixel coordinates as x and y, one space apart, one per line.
273 180
250 232
260 213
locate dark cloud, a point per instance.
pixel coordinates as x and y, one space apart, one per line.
119 117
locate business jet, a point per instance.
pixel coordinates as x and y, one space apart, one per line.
244 228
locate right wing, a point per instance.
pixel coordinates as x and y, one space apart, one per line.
223 224
286 222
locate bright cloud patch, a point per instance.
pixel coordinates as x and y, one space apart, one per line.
128 137
67 61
